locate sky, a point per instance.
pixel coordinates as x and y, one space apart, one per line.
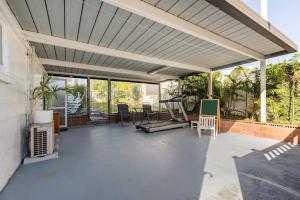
284 15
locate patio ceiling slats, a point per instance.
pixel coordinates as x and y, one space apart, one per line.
206 15
99 23
56 14
103 60
146 41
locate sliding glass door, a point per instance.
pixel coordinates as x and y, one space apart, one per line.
60 104
88 99
77 99
134 94
98 99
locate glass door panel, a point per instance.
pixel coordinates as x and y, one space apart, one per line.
60 104
98 99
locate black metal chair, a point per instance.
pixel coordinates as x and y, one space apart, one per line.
124 113
148 112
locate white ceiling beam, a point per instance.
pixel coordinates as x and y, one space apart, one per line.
159 77
101 77
148 11
71 44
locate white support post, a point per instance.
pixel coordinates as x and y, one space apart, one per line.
264 9
210 88
263 65
263 92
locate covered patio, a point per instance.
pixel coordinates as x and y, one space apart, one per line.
103 162
101 44
148 41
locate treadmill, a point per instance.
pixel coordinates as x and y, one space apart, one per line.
169 124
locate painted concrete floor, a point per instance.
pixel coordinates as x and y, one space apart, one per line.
114 163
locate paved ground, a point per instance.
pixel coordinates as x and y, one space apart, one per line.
114 163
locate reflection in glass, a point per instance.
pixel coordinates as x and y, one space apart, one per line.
98 99
77 98
60 101
134 94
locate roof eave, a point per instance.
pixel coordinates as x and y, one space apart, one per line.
241 12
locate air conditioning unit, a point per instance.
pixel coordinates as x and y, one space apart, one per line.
41 140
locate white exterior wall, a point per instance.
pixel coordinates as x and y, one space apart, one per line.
15 104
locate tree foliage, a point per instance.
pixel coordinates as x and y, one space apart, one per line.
242 86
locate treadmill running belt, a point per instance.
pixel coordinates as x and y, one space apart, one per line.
151 125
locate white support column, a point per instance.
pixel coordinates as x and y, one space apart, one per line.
264 9
210 88
263 92
263 78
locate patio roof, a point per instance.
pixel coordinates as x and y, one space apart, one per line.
168 38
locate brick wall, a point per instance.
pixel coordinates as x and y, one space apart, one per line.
281 132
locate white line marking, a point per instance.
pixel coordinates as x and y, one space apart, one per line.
272 154
284 149
286 146
276 152
267 156
292 145
280 150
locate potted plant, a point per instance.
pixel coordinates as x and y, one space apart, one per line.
45 93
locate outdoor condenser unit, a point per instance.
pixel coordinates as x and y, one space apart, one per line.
41 140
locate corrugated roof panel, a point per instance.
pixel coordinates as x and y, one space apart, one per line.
193 10
51 54
171 37
207 16
105 16
89 16
97 59
70 55
173 46
127 29
115 26
56 17
86 57
39 49
39 13
166 5
204 14
156 37
176 72
99 23
21 11
60 53
94 59
224 21
78 56
84 72
73 11
101 59
152 2
144 32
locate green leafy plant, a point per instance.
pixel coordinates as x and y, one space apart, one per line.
45 92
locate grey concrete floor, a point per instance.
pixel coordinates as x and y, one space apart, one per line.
114 162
